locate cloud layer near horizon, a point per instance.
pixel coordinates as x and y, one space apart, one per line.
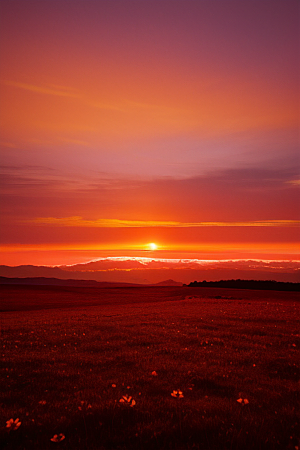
154 270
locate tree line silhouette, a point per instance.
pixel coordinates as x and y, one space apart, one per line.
268 285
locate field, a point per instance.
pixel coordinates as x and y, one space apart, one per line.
69 355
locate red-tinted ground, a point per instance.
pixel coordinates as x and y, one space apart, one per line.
70 354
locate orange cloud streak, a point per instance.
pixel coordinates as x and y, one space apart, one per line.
77 221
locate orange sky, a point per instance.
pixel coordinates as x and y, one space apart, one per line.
168 122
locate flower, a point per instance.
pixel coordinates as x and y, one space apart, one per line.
127 400
58 437
13 424
177 394
154 373
243 401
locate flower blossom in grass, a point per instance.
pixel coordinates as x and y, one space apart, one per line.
154 373
127 400
12 424
58 437
177 394
243 401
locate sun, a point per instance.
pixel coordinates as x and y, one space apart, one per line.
152 246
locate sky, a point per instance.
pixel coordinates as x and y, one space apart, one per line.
171 122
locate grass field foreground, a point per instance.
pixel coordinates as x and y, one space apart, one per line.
230 359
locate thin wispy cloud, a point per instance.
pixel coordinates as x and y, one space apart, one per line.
60 91
77 221
66 91
8 144
76 142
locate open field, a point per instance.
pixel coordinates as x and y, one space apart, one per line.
70 354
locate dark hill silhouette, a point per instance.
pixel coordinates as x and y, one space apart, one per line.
269 285
45 281
169 283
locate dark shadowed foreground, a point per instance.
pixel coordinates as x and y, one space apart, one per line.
229 357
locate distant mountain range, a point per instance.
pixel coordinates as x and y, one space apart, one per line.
44 281
149 271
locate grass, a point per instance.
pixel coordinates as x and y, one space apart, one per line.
65 368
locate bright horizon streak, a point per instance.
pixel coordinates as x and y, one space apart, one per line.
211 247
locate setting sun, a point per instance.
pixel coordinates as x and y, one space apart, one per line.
152 246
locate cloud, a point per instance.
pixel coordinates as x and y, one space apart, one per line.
77 221
66 91
253 198
126 262
8 145
254 177
294 182
60 91
76 142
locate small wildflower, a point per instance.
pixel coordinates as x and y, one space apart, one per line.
177 394
128 400
13 424
42 402
243 401
58 437
113 385
154 373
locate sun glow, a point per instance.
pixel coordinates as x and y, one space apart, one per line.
152 246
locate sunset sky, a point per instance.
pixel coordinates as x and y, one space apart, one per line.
125 123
